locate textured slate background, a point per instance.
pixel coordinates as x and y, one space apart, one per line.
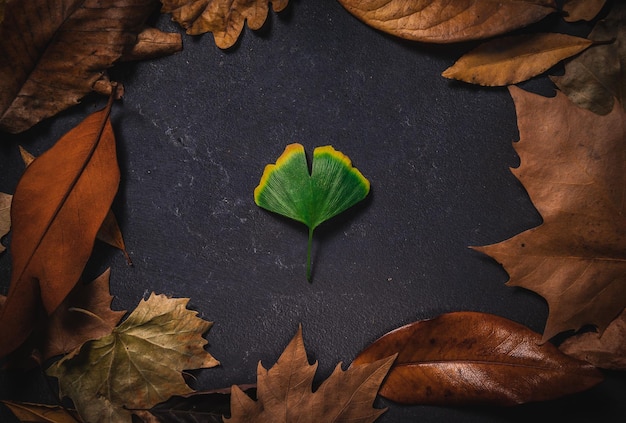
194 132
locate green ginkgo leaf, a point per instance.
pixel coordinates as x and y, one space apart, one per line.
288 189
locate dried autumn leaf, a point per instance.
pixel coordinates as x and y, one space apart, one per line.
158 340
54 51
224 18
514 59
5 216
597 77
443 21
2 6
607 351
284 392
40 413
475 358
55 217
582 10
572 166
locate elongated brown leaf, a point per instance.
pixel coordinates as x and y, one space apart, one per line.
582 10
56 214
5 216
510 60
475 358
41 413
52 52
224 18
444 21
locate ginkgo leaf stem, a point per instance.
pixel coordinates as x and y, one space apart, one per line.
308 255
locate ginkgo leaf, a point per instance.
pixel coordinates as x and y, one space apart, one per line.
445 21
468 358
573 168
285 391
5 216
224 18
138 365
288 189
55 216
514 59
582 10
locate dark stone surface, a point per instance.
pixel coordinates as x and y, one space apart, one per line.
194 132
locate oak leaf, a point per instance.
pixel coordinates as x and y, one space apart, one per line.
475 358
443 21
597 77
40 413
5 216
53 52
582 10
510 60
572 166
158 340
607 351
56 213
284 391
224 18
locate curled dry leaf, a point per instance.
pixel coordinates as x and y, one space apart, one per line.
158 340
224 18
475 358
514 59
607 351
40 413
54 51
5 216
443 21
597 77
55 218
153 43
285 391
573 168
582 10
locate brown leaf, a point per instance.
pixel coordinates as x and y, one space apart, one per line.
54 51
475 358
582 10
514 59
284 392
152 43
572 165
2 6
607 351
5 216
41 413
443 21
56 216
224 18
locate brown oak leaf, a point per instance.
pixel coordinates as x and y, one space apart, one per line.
572 166
224 18
285 391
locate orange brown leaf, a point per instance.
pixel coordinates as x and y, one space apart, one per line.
5 216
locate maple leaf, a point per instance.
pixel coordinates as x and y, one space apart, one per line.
284 392
443 21
158 340
54 52
224 18
572 166
5 216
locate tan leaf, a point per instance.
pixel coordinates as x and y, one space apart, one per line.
467 358
443 21
5 216
152 43
514 59
54 51
55 217
224 18
40 413
285 391
572 165
158 340
582 10
607 351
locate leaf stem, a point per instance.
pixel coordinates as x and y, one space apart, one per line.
308 255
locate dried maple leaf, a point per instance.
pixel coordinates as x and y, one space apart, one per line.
52 53
55 216
284 392
445 21
158 340
467 358
5 216
582 10
597 77
40 413
572 166
224 18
